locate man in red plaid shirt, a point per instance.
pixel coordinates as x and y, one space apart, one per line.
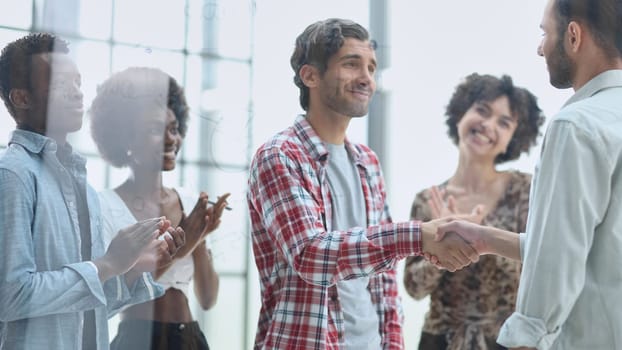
323 240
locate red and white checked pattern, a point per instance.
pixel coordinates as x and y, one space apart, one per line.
300 259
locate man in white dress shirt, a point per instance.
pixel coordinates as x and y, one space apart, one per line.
570 294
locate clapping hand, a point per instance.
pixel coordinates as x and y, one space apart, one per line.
161 251
204 218
127 246
441 209
438 207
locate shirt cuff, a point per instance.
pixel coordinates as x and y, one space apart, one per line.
408 238
520 330
94 266
521 240
88 271
145 289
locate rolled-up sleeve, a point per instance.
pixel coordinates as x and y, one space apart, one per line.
292 219
568 201
120 295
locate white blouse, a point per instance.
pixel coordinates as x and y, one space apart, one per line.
116 216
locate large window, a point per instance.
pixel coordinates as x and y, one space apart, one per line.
15 21
205 45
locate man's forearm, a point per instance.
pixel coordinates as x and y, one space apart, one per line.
501 242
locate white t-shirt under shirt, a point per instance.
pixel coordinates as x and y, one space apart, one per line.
348 205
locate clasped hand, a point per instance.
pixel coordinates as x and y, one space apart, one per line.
442 245
138 248
161 251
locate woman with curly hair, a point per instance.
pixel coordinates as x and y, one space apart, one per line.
491 121
139 120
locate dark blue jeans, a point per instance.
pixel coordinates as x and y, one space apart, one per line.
153 335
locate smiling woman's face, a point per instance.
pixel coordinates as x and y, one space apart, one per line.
157 140
486 128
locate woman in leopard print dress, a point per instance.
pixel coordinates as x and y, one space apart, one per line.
491 121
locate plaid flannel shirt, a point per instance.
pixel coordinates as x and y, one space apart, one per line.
300 258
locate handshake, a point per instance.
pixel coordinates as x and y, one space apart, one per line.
447 246
453 241
456 241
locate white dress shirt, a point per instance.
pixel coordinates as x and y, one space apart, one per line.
570 294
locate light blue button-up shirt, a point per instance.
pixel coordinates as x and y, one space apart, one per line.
570 294
44 285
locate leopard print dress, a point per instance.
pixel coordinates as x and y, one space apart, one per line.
468 307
